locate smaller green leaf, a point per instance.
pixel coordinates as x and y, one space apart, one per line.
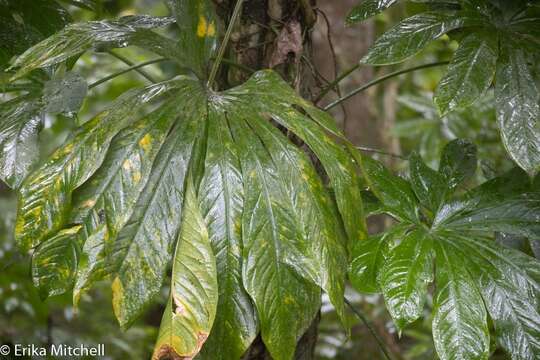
411 35
458 162
394 192
367 9
368 257
470 73
429 186
509 282
517 100
64 95
460 329
405 276
192 305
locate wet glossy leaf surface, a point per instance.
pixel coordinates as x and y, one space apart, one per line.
65 95
494 47
405 275
367 9
77 38
470 73
518 109
192 304
460 328
45 195
21 121
410 36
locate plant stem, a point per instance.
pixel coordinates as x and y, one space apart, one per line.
128 69
131 63
373 332
221 51
336 81
377 151
381 79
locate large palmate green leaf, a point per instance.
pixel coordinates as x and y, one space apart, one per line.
198 25
77 38
470 73
518 108
258 235
474 276
191 308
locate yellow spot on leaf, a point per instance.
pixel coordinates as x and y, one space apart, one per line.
72 230
212 29
145 142
127 165
118 296
136 176
288 300
89 203
202 27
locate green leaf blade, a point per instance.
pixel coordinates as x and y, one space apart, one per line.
509 283
222 199
287 303
458 162
469 75
405 276
21 121
142 249
517 100
410 36
368 257
77 38
45 195
198 25
367 9
191 309
460 329
428 185
106 201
